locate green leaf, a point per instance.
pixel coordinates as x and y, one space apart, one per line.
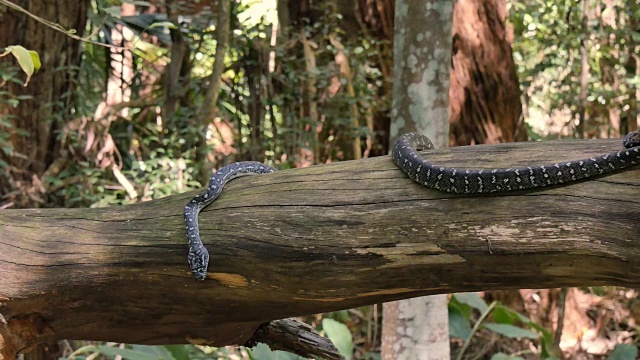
527 18
161 352
340 316
511 331
179 352
459 326
473 300
134 354
138 3
36 60
371 355
624 352
263 352
27 61
340 335
506 315
547 337
167 24
503 356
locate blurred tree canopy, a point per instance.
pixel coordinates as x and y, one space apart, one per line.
578 66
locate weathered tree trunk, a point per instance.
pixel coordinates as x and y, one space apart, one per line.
52 91
306 241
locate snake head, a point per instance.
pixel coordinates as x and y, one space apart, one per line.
632 139
199 261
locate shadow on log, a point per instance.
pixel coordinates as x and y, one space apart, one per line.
311 240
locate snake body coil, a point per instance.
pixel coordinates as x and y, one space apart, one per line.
405 155
198 254
466 181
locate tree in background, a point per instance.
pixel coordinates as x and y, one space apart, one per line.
485 95
418 328
565 50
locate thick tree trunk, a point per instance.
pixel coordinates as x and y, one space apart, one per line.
52 92
306 241
484 94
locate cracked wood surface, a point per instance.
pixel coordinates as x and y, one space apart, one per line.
312 240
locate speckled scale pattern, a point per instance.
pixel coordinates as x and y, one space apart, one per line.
468 181
198 254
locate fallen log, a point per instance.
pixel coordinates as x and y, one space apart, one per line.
310 240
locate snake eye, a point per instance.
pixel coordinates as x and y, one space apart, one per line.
631 140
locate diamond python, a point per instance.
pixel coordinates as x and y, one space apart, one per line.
405 155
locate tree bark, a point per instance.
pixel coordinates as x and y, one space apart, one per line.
421 81
418 328
484 95
52 90
208 110
173 70
584 72
306 241
210 104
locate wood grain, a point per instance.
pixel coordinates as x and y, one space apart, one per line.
311 240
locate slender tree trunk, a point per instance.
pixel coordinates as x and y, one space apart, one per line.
311 101
257 69
206 113
209 106
174 72
418 328
584 73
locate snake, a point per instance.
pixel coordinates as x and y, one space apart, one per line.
467 181
446 179
198 255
